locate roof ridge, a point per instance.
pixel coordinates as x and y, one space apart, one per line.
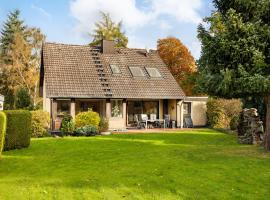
57 43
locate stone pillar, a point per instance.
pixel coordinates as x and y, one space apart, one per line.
160 109
182 114
53 112
178 113
125 112
72 108
108 109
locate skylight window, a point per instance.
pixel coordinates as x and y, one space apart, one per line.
136 71
115 69
153 72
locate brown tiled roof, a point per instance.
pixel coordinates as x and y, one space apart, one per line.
70 72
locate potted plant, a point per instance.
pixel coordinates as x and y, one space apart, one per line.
104 126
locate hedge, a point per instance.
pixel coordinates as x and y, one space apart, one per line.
3 123
40 123
18 132
223 113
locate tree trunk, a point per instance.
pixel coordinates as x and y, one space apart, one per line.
267 125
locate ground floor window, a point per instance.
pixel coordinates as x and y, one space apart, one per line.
63 107
116 108
90 105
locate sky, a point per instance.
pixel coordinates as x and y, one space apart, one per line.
144 21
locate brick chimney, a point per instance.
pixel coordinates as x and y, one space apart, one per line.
107 46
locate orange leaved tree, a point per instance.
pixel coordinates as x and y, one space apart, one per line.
179 61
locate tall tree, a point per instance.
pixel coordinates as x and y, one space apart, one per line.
13 25
235 52
109 30
179 61
20 58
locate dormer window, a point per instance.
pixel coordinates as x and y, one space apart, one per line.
115 69
153 72
136 72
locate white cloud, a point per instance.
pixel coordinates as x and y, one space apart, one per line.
182 11
162 16
88 12
41 10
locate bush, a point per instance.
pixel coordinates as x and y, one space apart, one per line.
18 131
3 124
40 123
87 130
67 124
87 118
103 125
223 113
23 99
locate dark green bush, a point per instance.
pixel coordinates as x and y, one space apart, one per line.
87 130
3 124
223 113
67 124
18 132
40 123
23 99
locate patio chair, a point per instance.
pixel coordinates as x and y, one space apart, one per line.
139 124
153 119
167 119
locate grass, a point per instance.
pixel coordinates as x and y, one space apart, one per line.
199 164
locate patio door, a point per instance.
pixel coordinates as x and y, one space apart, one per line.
141 107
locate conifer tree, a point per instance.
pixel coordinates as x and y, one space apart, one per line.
235 59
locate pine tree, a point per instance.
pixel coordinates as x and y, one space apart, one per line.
109 30
13 25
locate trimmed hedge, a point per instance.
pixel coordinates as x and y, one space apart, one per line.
3 124
18 132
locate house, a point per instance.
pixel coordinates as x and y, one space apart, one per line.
118 83
1 102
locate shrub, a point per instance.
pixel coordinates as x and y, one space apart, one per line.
22 99
87 118
103 125
3 124
18 131
87 130
40 123
223 113
67 124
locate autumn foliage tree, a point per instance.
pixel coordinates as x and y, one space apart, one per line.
20 48
179 61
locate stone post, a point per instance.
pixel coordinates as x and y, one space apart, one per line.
125 112
72 108
108 109
53 112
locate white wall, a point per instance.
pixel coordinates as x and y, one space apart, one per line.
198 110
198 113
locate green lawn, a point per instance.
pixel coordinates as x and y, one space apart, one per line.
200 164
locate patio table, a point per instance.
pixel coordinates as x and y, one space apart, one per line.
155 120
